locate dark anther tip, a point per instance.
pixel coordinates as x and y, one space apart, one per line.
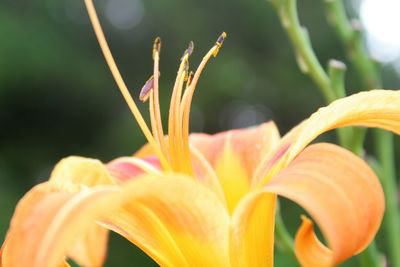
146 89
190 48
221 38
157 44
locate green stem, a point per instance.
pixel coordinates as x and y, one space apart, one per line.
349 32
384 149
369 257
332 84
336 73
305 55
357 141
283 234
352 41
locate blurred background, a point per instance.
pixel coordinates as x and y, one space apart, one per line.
58 98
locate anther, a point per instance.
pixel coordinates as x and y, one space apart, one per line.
219 43
156 46
221 39
146 89
186 72
188 52
190 48
189 78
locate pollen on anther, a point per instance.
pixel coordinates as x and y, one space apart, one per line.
146 89
189 78
221 39
190 48
188 51
156 46
219 43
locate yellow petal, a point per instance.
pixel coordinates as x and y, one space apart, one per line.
377 108
91 248
80 171
203 171
175 220
235 154
147 150
47 222
252 234
205 174
341 193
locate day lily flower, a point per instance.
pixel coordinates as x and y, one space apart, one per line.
207 200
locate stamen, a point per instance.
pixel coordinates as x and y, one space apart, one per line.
146 89
156 47
219 42
175 125
146 93
155 112
188 82
153 120
189 78
190 48
188 95
120 82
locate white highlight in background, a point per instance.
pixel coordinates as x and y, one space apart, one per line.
381 19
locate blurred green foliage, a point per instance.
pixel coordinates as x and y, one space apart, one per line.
57 97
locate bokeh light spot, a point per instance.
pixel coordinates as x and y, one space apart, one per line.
381 20
124 14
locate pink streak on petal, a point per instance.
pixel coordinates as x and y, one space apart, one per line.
278 155
125 170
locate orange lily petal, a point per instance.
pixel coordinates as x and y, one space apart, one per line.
140 221
341 193
175 220
125 168
91 248
376 108
203 171
76 170
47 222
252 233
235 154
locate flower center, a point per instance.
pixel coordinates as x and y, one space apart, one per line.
174 153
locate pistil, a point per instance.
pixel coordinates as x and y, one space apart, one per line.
121 84
176 156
